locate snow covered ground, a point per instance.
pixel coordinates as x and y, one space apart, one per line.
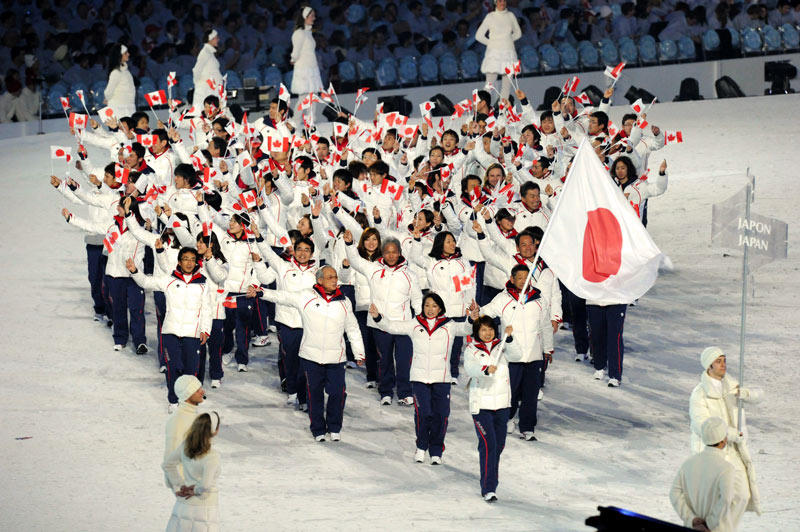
95 417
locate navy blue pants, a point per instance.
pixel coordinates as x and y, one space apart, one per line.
526 379
261 319
455 355
126 296
214 348
237 320
490 425
431 410
479 271
566 311
183 358
96 262
489 293
607 345
580 331
160 301
350 293
149 261
371 354
393 370
322 379
290 338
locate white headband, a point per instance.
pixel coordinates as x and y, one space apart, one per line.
123 50
306 12
214 421
212 35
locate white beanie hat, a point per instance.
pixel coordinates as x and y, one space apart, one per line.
185 386
709 355
713 431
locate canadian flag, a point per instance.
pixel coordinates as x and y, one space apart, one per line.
121 174
583 98
475 196
148 141
60 152
111 238
307 101
278 144
466 281
174 104
361 92
614 73
408 131
248 199
445 171
638 106
571 85
105 113
78 121
595 242
673 137
207 228
79 94
283 93
208 174
211 84
156 98
172 79
327 96
64 103
392 188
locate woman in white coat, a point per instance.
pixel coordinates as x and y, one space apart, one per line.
432 335
196 495
120 93
490 396
498 31
306 77
207 67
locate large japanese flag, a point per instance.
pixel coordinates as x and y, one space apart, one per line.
595 242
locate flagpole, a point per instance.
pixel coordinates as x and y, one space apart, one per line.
742 328
536 259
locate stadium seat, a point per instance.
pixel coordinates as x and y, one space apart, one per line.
772 39
791 37
277 56
569 56
751 41
686 49
609 52
366 69
53 99
648 50
628 51
407 71
590 57
234 81
147 84
428 69
667 50
448 67
387 73
470 65
252 73
287 79
550 59
710 41
272 76
529 59
347 72
97 91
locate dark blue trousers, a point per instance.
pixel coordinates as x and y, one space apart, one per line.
431 410
237 320
214 348
322 379
606 325
126 296
183 358
490 425
261 319
455 355
148 263
371 354
526 379
393 370
479 271
160 301
489 293
349 292
580 332
290 338
96 262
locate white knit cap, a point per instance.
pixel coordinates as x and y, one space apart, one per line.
123 49
212 35
713 431
185 386
709 355
307 11
214 421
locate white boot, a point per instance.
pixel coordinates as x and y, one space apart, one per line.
419 456
291 400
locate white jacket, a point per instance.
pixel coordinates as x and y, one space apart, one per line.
240 263
394 289
489 392
525 218
444 276
207 67
291 276
432 341
499 30
124 248
201 472
325 319
644 188
177 426
708 487
528 323
120 92
706 401
188 302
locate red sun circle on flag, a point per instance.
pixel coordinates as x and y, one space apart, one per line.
59 152
109 113
602 246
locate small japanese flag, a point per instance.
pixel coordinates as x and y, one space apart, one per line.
105 113
283 93
60 152
425 108
408 131
156 98
638 106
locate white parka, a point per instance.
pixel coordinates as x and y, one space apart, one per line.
207 67
188 302
432 341
125 247
120 92
489 392
706 401
451 278
325 319
291 276
528 323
